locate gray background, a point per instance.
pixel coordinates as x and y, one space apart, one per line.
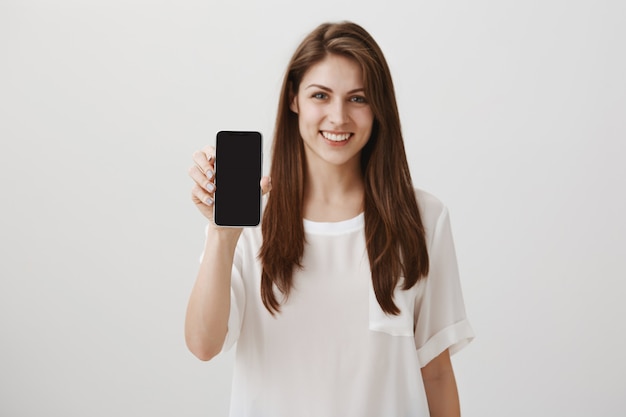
513 114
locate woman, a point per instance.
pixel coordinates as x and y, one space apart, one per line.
350 286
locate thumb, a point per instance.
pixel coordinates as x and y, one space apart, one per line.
266 184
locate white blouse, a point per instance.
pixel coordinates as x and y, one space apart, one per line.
332 351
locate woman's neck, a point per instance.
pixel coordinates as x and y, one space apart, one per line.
333 194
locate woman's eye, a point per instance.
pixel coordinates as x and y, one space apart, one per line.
320 96
358 99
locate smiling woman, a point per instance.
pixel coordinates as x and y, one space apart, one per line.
335 120
346 301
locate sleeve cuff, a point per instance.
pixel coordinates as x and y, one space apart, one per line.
454 338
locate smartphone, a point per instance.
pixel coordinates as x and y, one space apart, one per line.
238 164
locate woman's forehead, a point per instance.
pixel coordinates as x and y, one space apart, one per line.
334 72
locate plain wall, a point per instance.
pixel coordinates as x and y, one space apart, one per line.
513 112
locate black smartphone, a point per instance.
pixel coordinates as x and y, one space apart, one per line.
238 164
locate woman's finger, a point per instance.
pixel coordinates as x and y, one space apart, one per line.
266 184
205 160
200 196
201 178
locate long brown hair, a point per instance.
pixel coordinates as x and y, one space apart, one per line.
394 233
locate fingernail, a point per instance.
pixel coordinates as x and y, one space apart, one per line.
210 186
211 158
209 201
209 174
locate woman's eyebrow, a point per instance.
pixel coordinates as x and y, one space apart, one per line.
322 87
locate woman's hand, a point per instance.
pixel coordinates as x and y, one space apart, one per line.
203 174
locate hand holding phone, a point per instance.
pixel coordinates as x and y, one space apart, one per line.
238 169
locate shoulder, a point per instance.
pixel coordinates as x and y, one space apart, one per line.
431 207
433 213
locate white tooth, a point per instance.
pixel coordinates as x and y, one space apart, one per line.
335 137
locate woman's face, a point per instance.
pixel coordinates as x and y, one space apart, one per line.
334 117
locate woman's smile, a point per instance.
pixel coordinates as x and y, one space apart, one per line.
336 138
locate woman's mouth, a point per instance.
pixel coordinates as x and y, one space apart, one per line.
336 137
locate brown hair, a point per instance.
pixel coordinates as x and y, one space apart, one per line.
394 233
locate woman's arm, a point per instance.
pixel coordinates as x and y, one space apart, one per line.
440 386
206 322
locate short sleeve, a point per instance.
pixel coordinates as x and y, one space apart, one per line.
440 319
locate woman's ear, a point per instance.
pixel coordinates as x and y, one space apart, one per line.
293 105
293 98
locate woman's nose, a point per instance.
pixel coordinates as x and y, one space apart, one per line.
338 113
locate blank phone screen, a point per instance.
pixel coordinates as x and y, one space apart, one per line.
238 158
